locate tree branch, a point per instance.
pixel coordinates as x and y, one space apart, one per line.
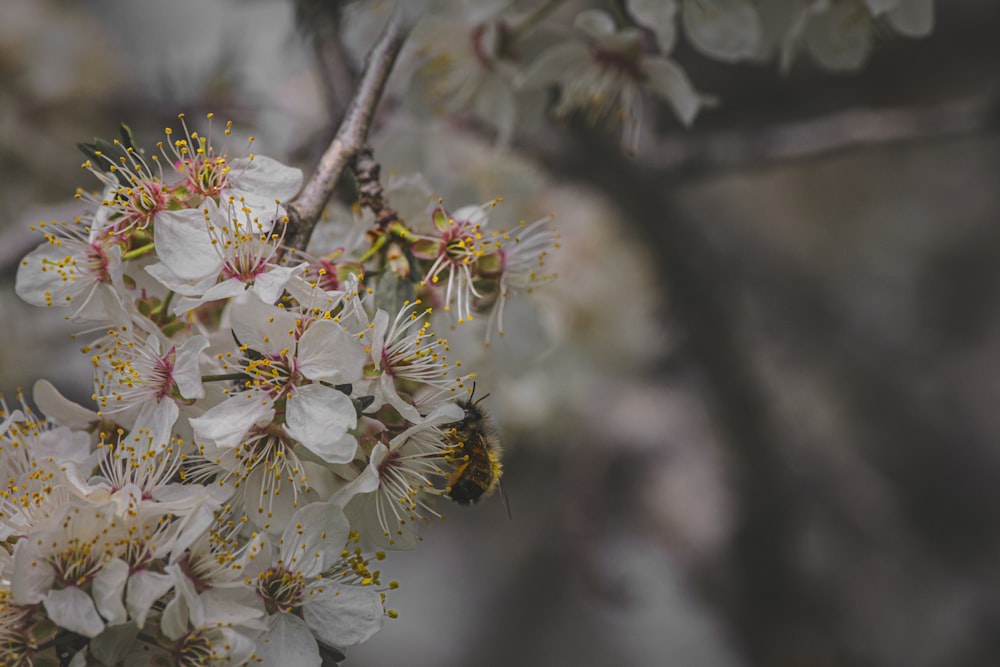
743 147
305 211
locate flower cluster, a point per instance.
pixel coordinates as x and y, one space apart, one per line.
498 62
264 418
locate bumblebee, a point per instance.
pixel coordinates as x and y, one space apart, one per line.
474 449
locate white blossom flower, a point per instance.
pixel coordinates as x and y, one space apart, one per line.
387 500
454 252
61 564
77 268
519 264
271 478
142 385
303 605
727 30
220 636
35 456
291 365
255 181
605 76
214 253
17 645
840 35
135 193
405 356
473 69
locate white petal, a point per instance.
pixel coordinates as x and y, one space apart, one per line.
841 38
344 615
318 417
225 289
561 62
667 80
159 417
658 15
228 422
195 523
328 353
445 413
387 392
184 245
187 370
39 283
234 606
145 588
270 284
236 648
314 537
913 18
265 176
63 445
368 480
163 275
33 576
288 641
73 609
60 409
262 326
594 23
108 589
728 30
174 619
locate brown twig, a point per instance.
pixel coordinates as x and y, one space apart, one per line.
372 197
305 211
813 137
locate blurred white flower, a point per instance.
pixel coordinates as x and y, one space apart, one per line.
727 30
605 76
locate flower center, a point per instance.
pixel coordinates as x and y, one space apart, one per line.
281 589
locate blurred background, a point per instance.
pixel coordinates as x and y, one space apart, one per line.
754 421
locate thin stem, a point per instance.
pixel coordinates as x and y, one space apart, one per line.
305 211
165 306
370 187
139 252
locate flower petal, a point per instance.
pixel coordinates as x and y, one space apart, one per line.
108 589
228 422
913 18
73 609
288 641
184 245
344 615
728 30
328 353
319 416
265 175
657 15
145 588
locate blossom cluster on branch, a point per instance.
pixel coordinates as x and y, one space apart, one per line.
267 421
